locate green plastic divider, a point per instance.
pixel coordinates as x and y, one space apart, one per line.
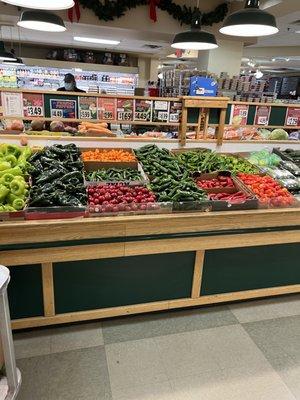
232 270
228 111
92 284
25 292
251 115
277 116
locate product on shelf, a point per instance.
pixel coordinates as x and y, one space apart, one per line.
209 161
111 155
233 198
219 182
95 129
119 198
14 169
114 175
264 158
57 177
291 155
268 191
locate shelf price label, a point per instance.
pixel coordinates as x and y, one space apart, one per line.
63 108
142 110
12 104
106 108
239 114
87 107
175 111
33 105
160 112
292 116
262 115
124 109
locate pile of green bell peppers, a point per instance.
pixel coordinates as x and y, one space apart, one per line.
13 174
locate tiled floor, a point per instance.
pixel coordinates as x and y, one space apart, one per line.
248 351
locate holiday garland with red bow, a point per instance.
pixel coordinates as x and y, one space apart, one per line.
108 10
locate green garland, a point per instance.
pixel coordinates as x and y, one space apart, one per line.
108 10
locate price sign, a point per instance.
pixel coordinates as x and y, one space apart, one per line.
106 108
124 109
142 110
124 116
87 107
175 111
160 112
12 104
239 114
57 113
292 116
262 115
63 108
33 111
33 105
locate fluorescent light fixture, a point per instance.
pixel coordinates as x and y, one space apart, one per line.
258 74
41 21
95 40
251 21
42 4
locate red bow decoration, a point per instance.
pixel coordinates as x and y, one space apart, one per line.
152 11
74 10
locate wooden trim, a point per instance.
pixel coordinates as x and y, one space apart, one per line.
151 307
221 127
62 254
197 277
44 231
48 289
210 242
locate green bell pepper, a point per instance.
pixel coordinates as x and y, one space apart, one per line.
3 192
17 187
18 204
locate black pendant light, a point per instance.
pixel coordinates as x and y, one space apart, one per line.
6 55
251 21
195 38
42 4
41 21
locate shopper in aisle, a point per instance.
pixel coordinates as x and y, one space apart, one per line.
70 84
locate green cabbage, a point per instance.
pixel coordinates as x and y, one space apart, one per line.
279 134
265 133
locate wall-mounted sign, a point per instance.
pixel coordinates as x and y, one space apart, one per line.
124 109
160 111
106 108
201 86
239 114
142 110
63 108
12 104
292 116
262 115
33 105
87 107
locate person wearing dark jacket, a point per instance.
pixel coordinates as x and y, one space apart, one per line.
70 85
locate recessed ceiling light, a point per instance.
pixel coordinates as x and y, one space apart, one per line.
95 40
42 5
41 21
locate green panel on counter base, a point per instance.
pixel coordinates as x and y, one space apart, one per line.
92 284
25 292
232 270
277 116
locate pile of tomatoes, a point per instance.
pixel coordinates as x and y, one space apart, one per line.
267 190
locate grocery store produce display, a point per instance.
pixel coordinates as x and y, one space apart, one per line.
61 176
57 177
14 169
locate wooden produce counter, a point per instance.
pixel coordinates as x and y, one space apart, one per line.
82 269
